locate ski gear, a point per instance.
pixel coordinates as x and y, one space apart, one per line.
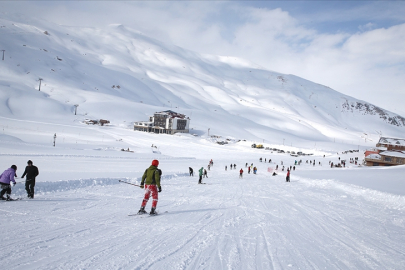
150 177
150 190
142 211
8 175
152 211
155 162
159 189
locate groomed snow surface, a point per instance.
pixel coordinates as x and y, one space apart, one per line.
325 218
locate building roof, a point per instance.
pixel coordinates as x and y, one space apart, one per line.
400 154
392 141
374 156
172 114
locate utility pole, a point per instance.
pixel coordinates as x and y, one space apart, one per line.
76 105
40 80
3 54
54 139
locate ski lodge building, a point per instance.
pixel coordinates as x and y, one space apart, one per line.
388 152
166 122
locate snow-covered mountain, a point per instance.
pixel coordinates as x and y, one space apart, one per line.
123 76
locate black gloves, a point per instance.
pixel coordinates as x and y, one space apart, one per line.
159 189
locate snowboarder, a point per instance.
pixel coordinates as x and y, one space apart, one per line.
191 171
31 171
241 173
205 173
287 178
151 182
200 171
5 179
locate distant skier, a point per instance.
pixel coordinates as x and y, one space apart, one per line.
249 170
208 166
241 173
201 171
254 170
205 173
246 165
287 178
226 168
231 166
191 171
5 179
31 171
234 166
151 180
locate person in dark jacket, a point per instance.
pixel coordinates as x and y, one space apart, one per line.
31 171
205 173
191 171
5 179
151 182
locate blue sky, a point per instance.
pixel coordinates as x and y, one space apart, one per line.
354 47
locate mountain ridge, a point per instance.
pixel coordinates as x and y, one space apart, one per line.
102 70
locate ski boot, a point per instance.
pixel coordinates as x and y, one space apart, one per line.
153 212
142 211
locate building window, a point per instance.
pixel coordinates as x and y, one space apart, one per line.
399 160
181 124
387 159
376 164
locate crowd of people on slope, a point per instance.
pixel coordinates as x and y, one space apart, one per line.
7 180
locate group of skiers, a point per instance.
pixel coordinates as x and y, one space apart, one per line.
7 179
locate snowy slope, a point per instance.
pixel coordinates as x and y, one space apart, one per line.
121 75
325 218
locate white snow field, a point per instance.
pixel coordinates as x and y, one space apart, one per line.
325 218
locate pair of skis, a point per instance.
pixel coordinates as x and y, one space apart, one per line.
143 215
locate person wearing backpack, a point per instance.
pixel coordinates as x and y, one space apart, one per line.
151 183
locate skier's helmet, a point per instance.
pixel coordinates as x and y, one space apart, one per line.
155 162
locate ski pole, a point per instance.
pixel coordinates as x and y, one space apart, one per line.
128 183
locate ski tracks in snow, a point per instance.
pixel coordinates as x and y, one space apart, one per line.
258 222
